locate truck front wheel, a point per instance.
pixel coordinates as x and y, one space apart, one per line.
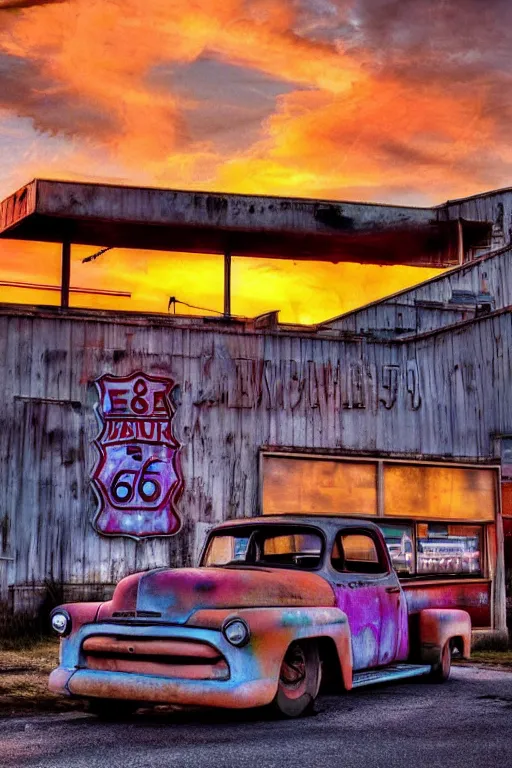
440 671
299 680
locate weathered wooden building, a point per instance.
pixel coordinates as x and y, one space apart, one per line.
125 436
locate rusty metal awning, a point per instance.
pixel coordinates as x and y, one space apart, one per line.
244 225
233 225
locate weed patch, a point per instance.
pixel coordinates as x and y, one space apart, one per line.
24 675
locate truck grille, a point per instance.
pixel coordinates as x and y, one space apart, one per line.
136 615
176 658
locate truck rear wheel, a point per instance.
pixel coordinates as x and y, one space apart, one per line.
440 671
299 680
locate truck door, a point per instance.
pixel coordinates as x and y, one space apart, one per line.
367 589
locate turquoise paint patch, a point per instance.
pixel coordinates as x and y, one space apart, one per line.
296 619
304 619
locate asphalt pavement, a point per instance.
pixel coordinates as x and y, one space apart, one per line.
464 723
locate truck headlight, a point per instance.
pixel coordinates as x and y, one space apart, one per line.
61 622
236 632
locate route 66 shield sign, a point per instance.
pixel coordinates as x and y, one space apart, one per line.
138 477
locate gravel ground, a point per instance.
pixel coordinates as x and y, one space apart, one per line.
465 723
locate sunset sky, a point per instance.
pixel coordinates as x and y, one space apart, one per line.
403 101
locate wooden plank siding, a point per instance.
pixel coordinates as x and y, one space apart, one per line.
494 206
441 395
437 302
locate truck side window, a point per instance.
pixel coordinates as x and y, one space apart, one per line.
357 553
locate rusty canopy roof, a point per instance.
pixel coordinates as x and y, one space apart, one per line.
245 225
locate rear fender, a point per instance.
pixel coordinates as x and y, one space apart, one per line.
438 626
274 629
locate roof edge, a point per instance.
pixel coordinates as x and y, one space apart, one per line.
328 200
489 193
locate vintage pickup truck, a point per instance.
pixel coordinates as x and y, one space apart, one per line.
276 605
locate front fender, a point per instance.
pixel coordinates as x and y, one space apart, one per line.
437 627
80 613
274 629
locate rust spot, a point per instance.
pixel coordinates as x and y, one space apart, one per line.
332 216
216 205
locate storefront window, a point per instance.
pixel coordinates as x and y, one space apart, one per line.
318 487
399 541
446 549
440 493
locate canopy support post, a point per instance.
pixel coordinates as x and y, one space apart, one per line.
227 283
65 274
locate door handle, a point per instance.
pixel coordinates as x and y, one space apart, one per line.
392 590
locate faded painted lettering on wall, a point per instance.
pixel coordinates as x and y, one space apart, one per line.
137 478
288 384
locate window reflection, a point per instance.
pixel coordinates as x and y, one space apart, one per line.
399 541
226 549
443 548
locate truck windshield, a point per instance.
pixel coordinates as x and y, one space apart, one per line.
293 547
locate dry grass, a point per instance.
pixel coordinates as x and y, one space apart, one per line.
24 680
492 658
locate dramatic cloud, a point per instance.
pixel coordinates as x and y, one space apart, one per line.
368 99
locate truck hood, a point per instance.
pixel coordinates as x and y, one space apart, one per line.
173 595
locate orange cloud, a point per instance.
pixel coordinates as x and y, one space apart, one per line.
386 136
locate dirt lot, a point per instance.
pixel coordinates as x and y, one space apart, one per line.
24 680
24 677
